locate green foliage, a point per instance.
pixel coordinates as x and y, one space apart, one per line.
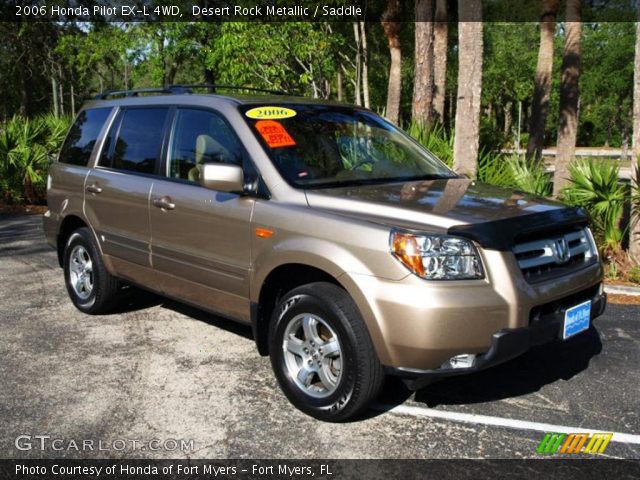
27 147
434 138
530 177
510 64
635 194
595 186
612 272
507 77
494 169
27 58
606 86
290 56
634 274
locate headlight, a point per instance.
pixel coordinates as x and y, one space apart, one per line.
436 257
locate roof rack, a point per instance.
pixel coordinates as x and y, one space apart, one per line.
130 93
182 89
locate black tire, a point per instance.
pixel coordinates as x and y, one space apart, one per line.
361 375
103 295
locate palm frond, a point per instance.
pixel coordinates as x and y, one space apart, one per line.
595 185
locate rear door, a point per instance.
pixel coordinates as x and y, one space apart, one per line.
200 237
117 190
68 174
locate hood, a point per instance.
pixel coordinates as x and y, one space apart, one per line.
459 206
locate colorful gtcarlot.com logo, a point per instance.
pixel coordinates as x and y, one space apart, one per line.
574 443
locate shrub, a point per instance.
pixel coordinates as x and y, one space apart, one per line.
634 274
434 138
492 168
595 186
27 147
530 176
495 169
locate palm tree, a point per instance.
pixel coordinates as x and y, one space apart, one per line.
467 135
634 231
391 26
542 91
440 46
423 78
569 94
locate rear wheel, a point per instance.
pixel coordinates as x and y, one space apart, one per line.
91 287
322 354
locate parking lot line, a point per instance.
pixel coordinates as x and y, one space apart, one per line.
500 422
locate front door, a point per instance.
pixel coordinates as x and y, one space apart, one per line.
200 238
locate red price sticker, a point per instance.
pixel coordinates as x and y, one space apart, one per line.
274 134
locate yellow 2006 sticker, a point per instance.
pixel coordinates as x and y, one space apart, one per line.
270 113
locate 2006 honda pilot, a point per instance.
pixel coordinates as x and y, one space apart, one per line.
350 250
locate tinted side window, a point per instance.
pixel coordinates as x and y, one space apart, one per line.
139 140
200 137
83 135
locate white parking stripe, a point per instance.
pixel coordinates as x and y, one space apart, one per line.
500 422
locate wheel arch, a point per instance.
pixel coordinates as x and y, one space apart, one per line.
287 276
69 224
278 282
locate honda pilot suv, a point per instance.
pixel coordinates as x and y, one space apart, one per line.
351 251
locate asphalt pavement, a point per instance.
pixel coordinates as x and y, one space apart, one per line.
158 379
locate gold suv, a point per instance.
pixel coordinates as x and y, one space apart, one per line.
351 250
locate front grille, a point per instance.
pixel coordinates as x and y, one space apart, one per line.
554 256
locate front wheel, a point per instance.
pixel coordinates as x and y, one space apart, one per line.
322 354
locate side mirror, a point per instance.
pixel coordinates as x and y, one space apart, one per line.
223 177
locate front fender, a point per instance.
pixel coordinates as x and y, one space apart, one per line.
334 260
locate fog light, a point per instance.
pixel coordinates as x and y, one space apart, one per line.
460 361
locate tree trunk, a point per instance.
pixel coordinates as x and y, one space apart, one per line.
29 191
54 91
365 65
25 97
171 72
423 77
569 94
391 26
634 231
508 119
467 129
358 84
61 94
440 50
542 89
73 101
209 76
339 85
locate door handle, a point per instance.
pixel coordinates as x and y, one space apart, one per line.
94 188
164 203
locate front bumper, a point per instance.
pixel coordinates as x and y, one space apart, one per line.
506 344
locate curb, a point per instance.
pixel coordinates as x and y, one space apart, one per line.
622 290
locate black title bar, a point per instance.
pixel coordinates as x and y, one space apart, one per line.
288 10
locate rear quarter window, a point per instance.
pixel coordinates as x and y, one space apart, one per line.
83 136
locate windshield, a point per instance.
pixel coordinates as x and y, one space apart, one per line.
320 146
